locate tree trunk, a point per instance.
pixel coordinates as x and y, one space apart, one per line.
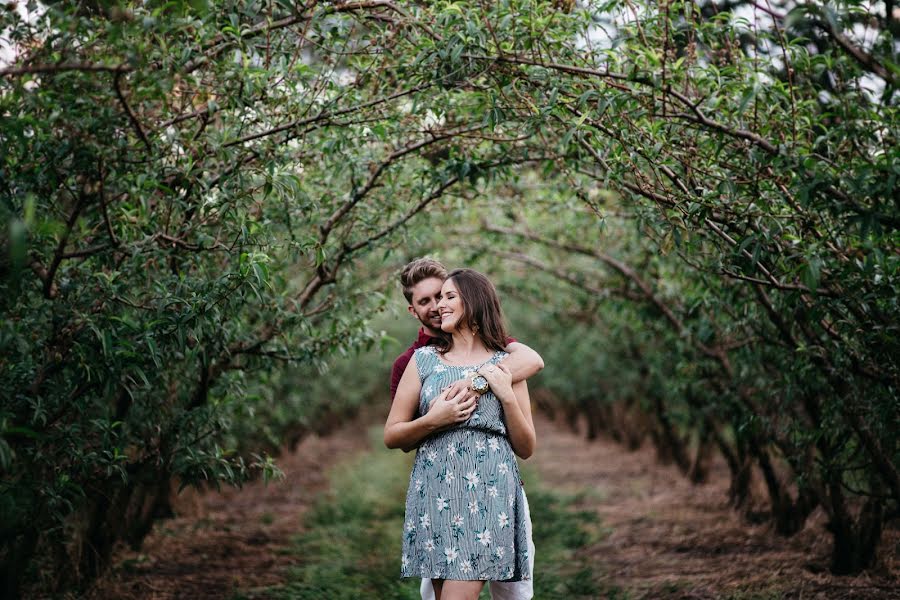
14 564
699 470
855 543
740 466
789 515
670 447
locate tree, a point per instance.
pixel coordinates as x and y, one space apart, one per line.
193 193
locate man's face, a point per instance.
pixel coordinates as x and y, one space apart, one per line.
425 297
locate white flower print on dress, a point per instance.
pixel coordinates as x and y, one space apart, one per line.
484 537
448 545
427 349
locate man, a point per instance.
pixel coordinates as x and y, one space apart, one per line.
422 280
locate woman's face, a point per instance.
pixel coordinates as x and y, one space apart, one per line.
450 307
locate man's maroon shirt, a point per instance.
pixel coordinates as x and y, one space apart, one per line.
403 360
400 364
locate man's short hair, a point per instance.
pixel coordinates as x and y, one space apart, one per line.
419 270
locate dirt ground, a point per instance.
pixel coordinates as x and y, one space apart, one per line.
234 540
675 540
668 538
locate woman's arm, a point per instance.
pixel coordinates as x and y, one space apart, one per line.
403 431
516 408
519 424
522 362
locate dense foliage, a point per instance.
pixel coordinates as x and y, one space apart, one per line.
696 202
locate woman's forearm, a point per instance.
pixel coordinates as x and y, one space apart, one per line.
521 432
408 434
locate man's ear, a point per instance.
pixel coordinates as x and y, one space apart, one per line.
412 311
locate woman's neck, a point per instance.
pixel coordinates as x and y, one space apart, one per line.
465 345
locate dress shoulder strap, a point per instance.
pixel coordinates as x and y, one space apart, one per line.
426 359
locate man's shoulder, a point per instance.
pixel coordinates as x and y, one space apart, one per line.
414 350
422 341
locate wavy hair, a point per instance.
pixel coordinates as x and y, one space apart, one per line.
419 270
481 310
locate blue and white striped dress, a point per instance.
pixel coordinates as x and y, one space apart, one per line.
464 507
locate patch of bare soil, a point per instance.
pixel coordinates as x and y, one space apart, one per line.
235 540
674 540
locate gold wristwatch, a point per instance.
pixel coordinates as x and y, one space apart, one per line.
479 384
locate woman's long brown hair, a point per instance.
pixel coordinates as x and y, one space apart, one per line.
481 310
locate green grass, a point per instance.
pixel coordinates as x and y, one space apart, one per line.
350 546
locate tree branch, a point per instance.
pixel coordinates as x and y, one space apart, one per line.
63 67
865 60
438 192
323 116
716 353
49 287
131 116
568 277
338 214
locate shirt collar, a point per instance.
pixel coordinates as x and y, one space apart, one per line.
424 338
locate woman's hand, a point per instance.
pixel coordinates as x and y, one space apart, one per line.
499 378
454 404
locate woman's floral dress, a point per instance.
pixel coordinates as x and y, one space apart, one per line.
464 516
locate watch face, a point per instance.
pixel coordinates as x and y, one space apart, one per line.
480 384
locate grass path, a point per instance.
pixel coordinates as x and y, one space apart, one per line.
351 544
608 523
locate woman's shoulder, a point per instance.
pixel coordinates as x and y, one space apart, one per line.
426 360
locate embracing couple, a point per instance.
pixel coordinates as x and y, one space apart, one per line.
461 401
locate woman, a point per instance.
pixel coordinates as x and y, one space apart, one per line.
465 522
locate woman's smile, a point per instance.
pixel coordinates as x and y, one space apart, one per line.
449 305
